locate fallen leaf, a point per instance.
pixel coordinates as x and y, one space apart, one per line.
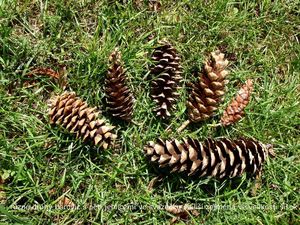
257 184
66 202
154 5
274 186
182 212
63 77
52 191
44 71
138 4
153 182
60 75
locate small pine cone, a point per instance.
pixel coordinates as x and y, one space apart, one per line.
74 114
119 97
167 72
235 110
216 158
206 94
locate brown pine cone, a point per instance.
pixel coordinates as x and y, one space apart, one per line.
72 113
167 72
206 94
216 158
235 110
119 98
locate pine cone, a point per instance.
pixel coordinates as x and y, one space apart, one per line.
119 97
74 114
208 92
217 158
167 73
235 110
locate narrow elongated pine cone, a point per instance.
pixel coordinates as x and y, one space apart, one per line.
235 110
119 98
167 72
208 92
216 158
78 118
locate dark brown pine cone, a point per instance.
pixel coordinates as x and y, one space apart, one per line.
167 74
119 98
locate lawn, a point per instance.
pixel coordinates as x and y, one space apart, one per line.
42 167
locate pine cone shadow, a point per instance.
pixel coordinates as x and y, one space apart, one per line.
77 148
210 186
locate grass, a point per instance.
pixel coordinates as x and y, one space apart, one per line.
41 164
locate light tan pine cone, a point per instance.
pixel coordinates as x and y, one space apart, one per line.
235 110
208 92
119 98
216 158
167 75
78 118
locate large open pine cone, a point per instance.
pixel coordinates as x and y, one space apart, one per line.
78 118
217 158
167 72
208 92
119 97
